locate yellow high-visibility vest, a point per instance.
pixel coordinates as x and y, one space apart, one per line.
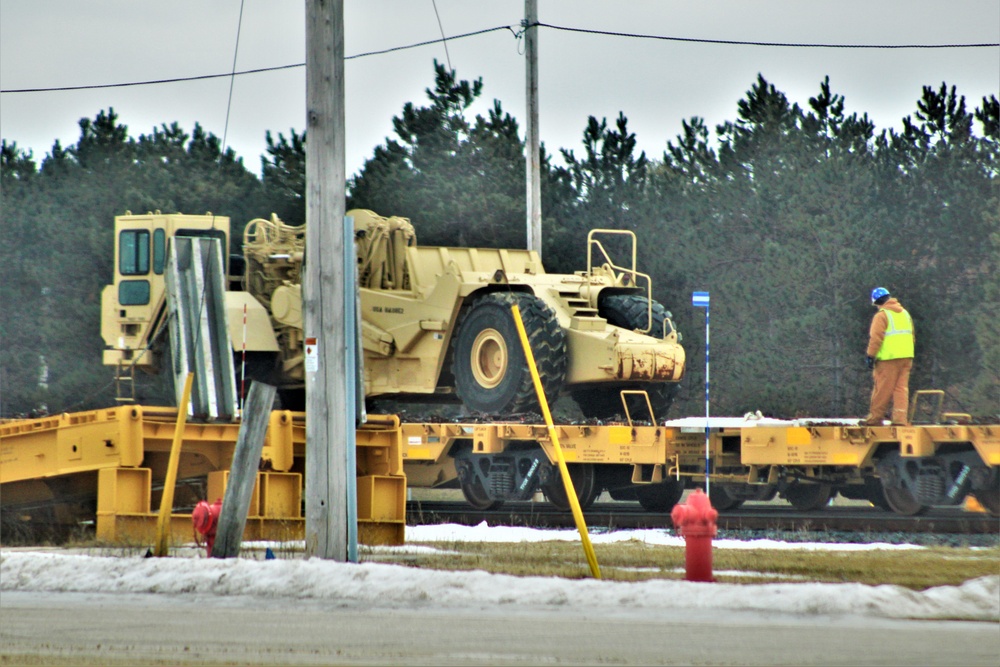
898 342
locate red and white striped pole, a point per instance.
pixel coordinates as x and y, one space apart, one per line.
243 370
701 300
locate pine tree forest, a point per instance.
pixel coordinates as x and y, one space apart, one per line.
787 215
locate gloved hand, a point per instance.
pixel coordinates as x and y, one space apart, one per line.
870 362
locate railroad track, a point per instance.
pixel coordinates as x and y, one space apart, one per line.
750 517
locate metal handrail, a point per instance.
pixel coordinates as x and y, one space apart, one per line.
633 272
637 392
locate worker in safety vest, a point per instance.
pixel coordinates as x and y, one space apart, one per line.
890 357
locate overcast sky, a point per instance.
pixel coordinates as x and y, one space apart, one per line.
657 84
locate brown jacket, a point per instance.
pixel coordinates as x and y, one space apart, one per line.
876 333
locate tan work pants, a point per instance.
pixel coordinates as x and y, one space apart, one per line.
892 384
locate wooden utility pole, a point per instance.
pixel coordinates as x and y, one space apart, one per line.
328 414
532 142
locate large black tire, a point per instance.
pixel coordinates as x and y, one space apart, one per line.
490 369
629 311
585 484
266 367
260 367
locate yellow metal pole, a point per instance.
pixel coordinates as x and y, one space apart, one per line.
574 502
167 502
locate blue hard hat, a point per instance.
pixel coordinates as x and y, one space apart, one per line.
878 293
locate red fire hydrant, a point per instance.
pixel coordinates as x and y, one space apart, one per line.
205 518
696 522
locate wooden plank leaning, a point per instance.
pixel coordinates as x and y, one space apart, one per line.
243 472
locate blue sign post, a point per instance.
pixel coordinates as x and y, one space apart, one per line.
700 300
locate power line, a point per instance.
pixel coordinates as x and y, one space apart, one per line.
232 79
433 41
796 45
441 28
260 70
517 34
151 82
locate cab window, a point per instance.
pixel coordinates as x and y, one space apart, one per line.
133 252
133 292
159 250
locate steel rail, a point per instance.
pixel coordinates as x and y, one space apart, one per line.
749 517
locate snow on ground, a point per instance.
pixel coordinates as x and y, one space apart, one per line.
375 584
449 532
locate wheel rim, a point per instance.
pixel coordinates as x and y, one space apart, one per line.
660 497
489 358
476 496
901 501
722 499
584 478
808 497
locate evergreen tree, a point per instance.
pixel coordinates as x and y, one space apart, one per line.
21 362
601 189
460 182
779 225
985 393
283 176
944 212
57 249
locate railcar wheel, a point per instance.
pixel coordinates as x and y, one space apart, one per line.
808 497
874 493
898 497
629 311
660 497
901 501
990 499
625 494
723 500
476 496
490 369
585 484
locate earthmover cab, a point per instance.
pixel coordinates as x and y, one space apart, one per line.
134 307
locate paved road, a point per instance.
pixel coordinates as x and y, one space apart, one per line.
149 629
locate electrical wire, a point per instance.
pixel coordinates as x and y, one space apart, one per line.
151 82
736 42
443 38
259 70
518 33
232 79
